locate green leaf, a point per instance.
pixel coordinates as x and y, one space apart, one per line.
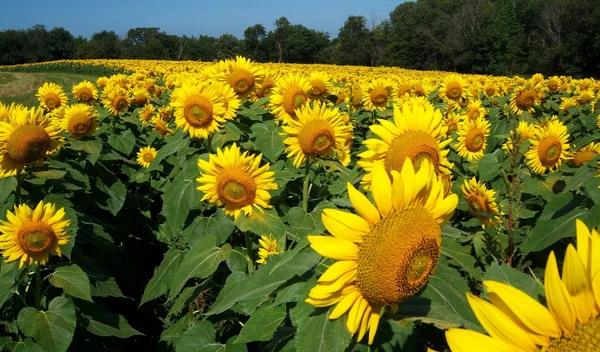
511 276
26 345
454 250
50 174
320 333
52 329
159 284
304 224
261 222
557 221
268 140
93 147
100 322
124 142
200 261
489 167
72 280
178 198
262 324
173 144
265 280
217 224
106 287
9 273
117 192
395 336
200 337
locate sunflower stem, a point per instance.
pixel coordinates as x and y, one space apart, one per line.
250 252
305 186
18 188
38 286
209 143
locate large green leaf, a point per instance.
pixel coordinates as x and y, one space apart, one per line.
52 329
9 273
268 140
217 224
117 192
93 147
265 280
173 144
72 280
262 324
200 261
489 167
511 276
159 284
124 142
321 334
467 262
178 198
261 222
26 345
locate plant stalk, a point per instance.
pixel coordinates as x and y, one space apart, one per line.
305 186
18 188
250 252
38 286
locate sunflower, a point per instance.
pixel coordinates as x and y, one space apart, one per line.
482 202
85 92
27 137
403 89
265 88
243 75
230 99
79 120
234 181
199 109
453 88
584 154
140 96
102 82
355 98
416 133
517 322
490 89
51 96
386 254
268 246
549 147
421 88
145 156
116 99
378 94
586 97
160 126
475 110
524 99
145 114
29 235
566 103
318 132
524 131
290 94
553 83
472 139
321 85
452 121
165 112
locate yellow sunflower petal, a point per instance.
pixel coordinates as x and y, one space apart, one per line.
461 340
344 305
345 225
577 281
381 188
363 206
338 269
557 297
334 248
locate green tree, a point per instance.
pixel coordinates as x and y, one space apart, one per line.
228 46
253 37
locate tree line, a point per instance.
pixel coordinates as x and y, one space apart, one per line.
501 37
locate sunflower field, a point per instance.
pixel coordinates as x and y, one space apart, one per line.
239 206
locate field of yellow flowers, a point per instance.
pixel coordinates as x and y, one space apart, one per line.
240 206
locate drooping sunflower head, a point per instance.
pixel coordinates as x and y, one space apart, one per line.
388 252
269 82
515 321
198 109
140 96
244 76
79 120
453 88
291 93
268 247
549 147
418 133
51 96
522 133
482 202
31 235
320 83
160 126
145 156
378 94
27 137
116 99
145 114
234 181
584 154
318 132
85 92
472 139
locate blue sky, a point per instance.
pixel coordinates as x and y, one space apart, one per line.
189 17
